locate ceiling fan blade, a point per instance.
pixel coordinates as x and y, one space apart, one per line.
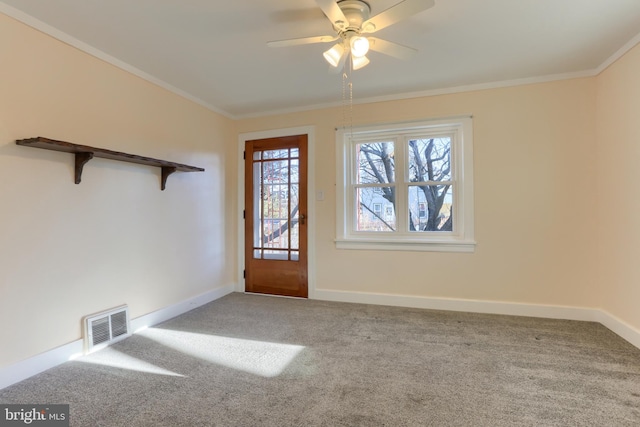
333 12
396 13
392 49
303 40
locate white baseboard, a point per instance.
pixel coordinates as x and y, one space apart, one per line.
620 327
452 304
613 323
34 365
172 311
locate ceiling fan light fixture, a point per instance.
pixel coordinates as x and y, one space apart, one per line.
334 55
359 46
350 20
359 62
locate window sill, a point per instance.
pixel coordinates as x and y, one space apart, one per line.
406 245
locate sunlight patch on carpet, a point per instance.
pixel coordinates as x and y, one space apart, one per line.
265 359
110 357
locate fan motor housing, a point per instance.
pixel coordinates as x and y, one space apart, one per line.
356 12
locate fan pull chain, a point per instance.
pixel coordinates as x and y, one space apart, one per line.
351 110
344 99
347 83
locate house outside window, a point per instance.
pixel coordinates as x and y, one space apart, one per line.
422 210
406 186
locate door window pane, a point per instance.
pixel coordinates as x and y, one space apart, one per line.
294 171
275 154
276 255
257 206
294 216
276 215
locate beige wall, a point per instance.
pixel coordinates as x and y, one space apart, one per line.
535 200
555 215
618 166
70 250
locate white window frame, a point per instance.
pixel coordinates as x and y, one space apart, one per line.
461 239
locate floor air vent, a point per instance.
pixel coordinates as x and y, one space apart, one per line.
103 329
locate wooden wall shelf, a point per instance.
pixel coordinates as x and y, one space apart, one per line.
84 153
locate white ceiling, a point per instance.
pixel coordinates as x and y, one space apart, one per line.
215 52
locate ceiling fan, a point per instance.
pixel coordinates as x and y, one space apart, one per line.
351 20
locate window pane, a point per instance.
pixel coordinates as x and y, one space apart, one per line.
275 212
376 210
257 206
275 154
275 233
276 171
274 203
375 163
279 255
295 216
430 159
430 208
295 171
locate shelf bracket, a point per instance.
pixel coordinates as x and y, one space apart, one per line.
81 159
84 153
166 171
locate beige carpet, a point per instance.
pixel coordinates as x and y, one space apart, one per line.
249 360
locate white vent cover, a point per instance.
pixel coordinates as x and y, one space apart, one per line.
103 329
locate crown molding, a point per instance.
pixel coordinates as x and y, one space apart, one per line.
78 44
619 54
47 29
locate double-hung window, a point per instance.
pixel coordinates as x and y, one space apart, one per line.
406 186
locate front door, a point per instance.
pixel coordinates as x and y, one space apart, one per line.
276 216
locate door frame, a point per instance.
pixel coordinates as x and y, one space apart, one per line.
311 197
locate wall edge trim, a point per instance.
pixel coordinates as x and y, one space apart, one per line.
613 323
97 53
620 327
24 369
34 365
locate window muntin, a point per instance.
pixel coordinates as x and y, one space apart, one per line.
276 174
425 163
419 175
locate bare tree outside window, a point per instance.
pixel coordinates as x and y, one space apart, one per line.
277 174
406 186
430 170
429 186
375 169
